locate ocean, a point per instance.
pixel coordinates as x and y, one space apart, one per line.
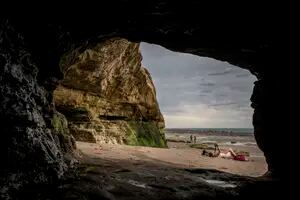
221 131
222 136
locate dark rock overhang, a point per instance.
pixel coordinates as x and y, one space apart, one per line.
247 36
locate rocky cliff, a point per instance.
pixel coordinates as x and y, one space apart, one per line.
107 96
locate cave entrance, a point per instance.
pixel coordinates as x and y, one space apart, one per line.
205 102
108 100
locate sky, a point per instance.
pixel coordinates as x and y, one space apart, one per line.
199 92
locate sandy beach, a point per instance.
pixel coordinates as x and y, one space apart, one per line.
107 171
178 155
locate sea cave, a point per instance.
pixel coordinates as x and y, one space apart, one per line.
59 74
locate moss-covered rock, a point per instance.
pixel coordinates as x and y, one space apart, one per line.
60 124
145 134
61 131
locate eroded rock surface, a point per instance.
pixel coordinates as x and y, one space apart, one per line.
107 96
32 150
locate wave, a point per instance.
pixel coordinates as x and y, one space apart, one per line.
239 143
226 131
209 141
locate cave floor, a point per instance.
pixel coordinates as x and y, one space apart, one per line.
136 177
99 177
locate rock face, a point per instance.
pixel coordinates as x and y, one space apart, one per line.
35 145
107 96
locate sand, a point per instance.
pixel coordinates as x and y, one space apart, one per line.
125 172
178 155
144 173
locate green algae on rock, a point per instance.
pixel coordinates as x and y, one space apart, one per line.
60 124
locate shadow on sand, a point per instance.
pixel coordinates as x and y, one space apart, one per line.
98 178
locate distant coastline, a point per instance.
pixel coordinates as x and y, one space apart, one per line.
221 131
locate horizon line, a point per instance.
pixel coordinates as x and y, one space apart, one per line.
208 128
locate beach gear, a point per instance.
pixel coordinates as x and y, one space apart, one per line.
240 158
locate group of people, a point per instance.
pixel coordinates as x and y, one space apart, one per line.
230 154
193 139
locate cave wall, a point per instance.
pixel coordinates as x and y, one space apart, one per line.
31 150
32 47
108 97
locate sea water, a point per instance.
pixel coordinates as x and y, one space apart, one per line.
222 136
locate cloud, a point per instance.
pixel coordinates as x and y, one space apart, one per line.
202 115
194 91
226 71
207 84
206 91
223 104
147 50
240 88
242 75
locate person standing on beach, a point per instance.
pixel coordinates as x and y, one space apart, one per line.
191 138
195 139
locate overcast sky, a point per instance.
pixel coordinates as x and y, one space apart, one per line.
199 92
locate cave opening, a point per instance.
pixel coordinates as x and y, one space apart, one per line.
37 147
105 99
108 102
205 102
